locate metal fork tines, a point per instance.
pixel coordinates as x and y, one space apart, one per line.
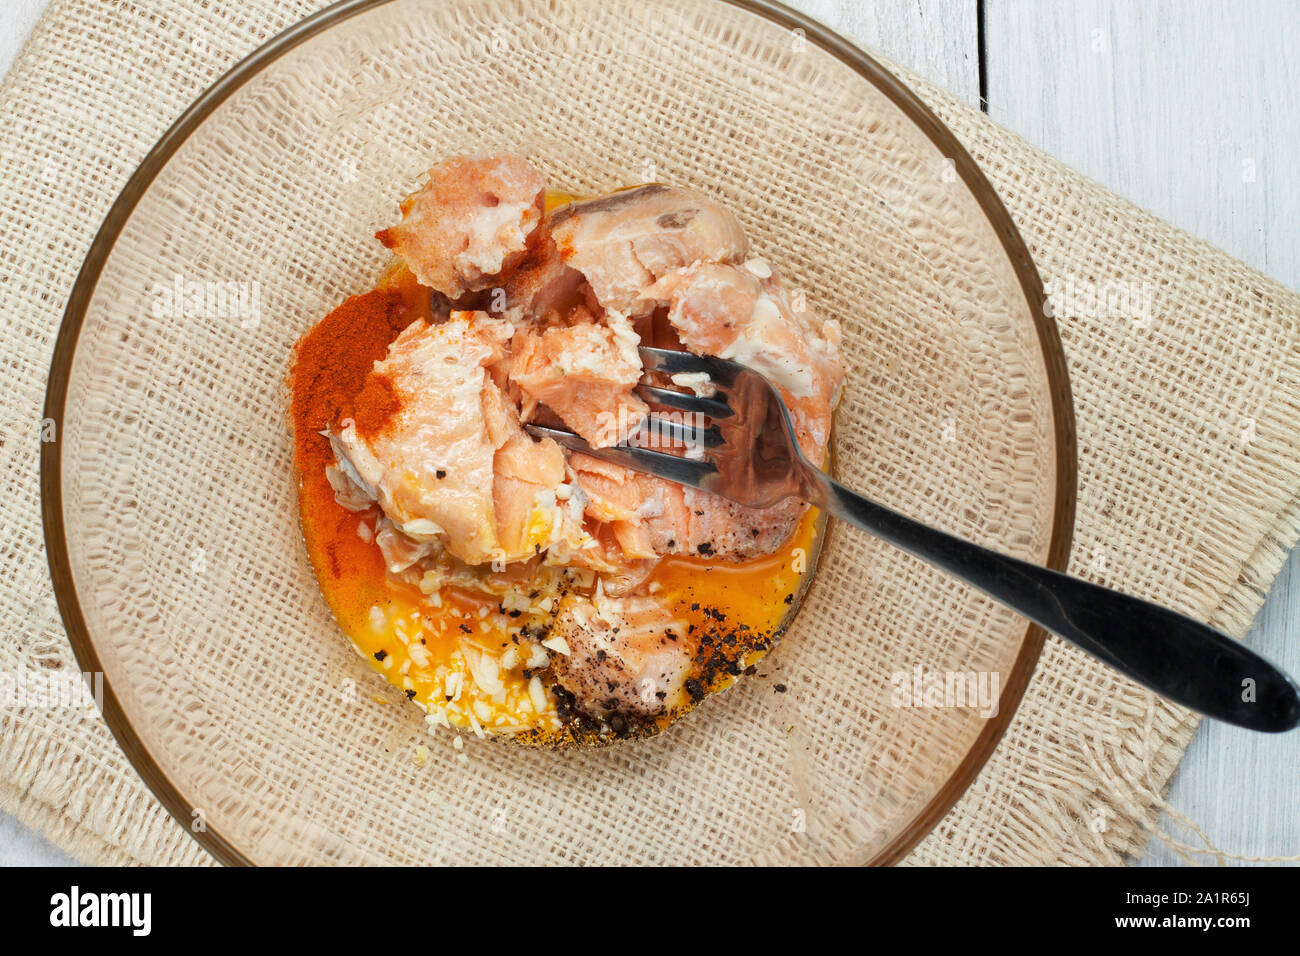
738 444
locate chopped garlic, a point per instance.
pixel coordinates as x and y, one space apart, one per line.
698 382
556 643
421 529
537 693
418 654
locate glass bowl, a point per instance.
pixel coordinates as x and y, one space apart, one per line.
169 498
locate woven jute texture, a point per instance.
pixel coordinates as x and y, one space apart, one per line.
1185 367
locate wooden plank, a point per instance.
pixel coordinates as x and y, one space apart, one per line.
20 846
17 17
1185 108
1242 789
935 38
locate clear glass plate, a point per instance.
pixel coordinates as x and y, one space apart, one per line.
170 511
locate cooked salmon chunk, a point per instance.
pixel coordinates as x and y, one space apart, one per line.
544 288
585 374
471 222
526 475
741 312
648 515
546 571
567 348
624 242
744 313
621 656
452 463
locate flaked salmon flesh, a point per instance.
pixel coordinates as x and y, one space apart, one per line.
574 292
622 243
453 465
623 655
471 221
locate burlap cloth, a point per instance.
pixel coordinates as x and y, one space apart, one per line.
1188 469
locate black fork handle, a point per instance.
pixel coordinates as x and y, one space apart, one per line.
1170 653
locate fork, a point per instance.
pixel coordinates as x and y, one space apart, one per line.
741 446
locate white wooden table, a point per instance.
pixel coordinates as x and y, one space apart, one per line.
1187 108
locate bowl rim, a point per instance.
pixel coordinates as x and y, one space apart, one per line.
829 41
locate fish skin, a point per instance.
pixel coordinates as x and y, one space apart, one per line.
623 242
